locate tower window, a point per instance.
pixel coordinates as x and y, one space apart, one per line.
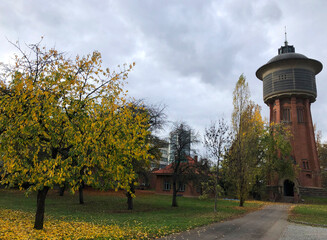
300 115
286 116
305 164
282 77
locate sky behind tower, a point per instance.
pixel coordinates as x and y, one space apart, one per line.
188 53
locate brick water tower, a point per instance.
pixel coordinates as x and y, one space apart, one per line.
289 88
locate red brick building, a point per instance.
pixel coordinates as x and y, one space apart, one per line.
164 184
289 88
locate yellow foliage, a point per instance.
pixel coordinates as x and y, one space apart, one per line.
63 121
19 225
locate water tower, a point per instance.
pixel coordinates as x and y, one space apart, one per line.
289 88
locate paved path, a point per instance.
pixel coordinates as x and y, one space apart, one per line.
268 224
301 232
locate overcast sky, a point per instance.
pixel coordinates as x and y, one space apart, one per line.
189 54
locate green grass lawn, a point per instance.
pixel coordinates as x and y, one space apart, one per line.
313 211
152 213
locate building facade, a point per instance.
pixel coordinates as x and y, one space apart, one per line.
164 181
289 89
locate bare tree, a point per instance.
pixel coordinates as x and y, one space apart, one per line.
181 138
217 139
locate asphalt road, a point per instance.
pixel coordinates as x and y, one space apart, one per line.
268 224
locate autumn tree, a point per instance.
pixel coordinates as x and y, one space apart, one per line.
247 125
102 178
181 138
61 122
322 155
217 139
260 151
155 121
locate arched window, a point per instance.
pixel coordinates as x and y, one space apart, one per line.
300 115
286 115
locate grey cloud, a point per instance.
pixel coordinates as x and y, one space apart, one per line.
195 40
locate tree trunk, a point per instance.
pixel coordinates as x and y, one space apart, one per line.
40 207
130 205
62 190
241 201
174 202
242 189
129 201
216 198
216 187
80 191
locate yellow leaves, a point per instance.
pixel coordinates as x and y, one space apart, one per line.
34 117
65 118
19 225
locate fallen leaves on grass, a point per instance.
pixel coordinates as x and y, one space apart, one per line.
19 225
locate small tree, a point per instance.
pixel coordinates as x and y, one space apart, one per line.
322 156
181 138
217 139
276 150
274 157
247 128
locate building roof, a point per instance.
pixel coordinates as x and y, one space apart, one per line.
289 74
286 56
168 170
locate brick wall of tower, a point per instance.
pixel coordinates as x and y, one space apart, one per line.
303 143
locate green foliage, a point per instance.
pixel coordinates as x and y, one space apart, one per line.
322 155
276 150
209 188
